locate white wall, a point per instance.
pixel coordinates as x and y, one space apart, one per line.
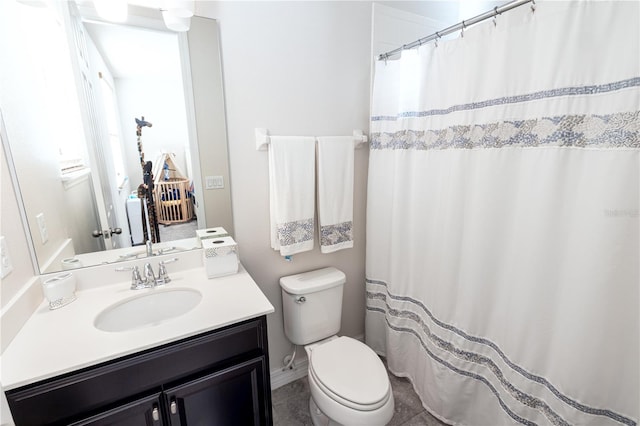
295 68
18 282
33 91
210 129
161 100
394 27
12 231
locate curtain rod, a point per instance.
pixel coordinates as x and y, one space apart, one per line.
459 26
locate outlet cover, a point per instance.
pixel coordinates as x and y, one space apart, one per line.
5 260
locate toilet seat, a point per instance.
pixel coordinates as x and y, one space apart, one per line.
350 373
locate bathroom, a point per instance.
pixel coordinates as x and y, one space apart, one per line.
296 68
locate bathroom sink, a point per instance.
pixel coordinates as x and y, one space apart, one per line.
147 310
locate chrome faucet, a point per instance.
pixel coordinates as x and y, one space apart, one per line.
137 283
148 278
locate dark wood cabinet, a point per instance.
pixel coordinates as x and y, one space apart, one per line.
228 397
219 377
146 411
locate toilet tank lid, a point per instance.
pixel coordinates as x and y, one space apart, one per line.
312 281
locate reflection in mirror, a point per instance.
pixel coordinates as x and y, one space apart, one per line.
70 100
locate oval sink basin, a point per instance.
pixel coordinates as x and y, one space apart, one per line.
147 310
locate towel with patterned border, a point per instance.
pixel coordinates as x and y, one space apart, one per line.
291 193
335 192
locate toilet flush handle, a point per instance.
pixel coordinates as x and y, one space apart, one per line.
301 299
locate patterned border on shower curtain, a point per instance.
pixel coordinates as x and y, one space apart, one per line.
507 100
619 130
381 300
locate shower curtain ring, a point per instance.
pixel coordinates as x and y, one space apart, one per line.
462 30
437 38
533 6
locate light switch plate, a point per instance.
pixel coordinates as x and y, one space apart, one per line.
5 260
42 226
214 182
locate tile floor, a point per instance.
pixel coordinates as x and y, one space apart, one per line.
291 405
178 231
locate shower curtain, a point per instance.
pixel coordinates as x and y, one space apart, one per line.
502 218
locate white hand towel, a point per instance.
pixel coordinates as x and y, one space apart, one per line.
335 192
291 189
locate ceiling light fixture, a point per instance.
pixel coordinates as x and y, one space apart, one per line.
180 8
34 3
176 23
112 10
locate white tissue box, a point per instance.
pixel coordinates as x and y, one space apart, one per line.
204 234
220 256
60 290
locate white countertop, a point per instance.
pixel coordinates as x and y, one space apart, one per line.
53 342
137 252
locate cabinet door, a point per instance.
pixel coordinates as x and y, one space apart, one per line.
145 411
234 396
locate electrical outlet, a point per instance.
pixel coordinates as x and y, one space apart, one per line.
214 182
42 226
5 260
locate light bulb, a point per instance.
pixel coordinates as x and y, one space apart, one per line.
180 8
112 10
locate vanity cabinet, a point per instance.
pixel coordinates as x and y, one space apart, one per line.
219 377
138 413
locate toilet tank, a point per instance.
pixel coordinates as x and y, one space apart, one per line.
312 304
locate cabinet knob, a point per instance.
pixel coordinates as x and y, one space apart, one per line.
174 407
155 414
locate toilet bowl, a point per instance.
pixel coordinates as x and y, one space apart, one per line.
349 384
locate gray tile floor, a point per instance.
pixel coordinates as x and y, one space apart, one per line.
291 405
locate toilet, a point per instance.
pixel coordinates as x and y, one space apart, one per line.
348 382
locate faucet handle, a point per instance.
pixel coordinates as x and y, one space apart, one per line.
149 276
136 280
163 277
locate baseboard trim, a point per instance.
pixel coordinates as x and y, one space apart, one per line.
280 377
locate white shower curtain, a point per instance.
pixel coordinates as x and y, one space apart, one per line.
502 218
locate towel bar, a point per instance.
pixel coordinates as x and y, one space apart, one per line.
263 139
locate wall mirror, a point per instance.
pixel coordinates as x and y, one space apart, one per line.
70 96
